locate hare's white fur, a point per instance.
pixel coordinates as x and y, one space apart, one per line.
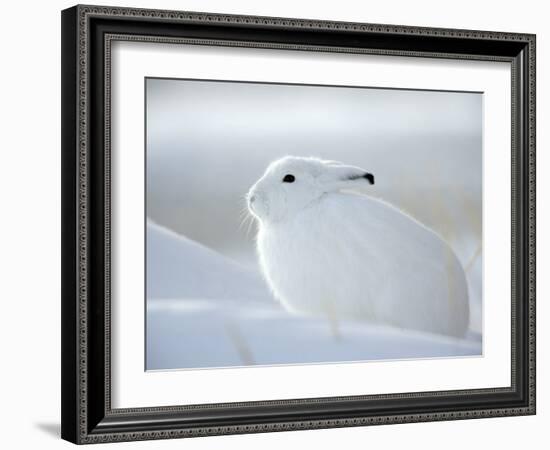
351 256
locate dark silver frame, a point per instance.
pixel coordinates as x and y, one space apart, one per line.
87 35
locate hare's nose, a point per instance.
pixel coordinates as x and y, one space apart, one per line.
252 199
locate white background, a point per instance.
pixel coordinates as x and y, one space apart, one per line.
132 387
30 233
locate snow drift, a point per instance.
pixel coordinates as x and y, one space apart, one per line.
204 310
180 268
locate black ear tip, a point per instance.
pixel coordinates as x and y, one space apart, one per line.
369 177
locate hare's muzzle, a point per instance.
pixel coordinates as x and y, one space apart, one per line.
256 203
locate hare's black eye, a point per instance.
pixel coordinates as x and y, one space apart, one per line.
289 178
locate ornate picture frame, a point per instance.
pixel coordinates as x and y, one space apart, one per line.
88 33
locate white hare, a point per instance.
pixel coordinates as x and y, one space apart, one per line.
329 252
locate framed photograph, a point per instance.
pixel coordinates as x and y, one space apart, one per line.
268 221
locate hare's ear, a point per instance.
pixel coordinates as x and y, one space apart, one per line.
337 176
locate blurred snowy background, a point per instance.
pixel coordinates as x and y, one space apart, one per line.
208 142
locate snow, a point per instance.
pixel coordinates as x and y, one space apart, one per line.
178 267
204 310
